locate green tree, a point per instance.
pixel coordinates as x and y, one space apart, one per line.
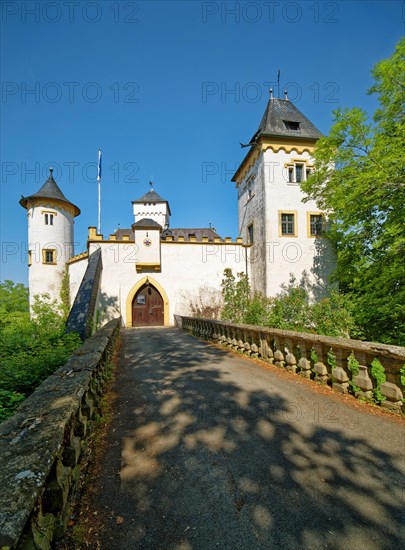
13 302
30 349
236 294
290 309
360 179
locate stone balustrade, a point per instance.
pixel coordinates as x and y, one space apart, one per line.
41 446
322 358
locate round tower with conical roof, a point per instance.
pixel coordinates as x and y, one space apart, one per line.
50 237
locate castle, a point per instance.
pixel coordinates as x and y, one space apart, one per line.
150 271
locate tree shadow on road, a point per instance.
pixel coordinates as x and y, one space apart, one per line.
206 461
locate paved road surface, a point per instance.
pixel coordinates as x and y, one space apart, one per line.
209 450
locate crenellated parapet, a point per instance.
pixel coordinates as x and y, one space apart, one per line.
368 370
78 258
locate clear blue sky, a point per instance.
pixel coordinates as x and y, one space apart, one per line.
167 90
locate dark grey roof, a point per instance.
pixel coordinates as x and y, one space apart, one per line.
120 232
151 196
281 111
185 232
197 232
50 190
146 222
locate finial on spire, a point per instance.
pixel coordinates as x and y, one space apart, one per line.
285 94
51 173
271 93
151 185
278 84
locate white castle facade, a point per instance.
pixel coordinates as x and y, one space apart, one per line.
151 271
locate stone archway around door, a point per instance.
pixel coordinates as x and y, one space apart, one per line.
147 307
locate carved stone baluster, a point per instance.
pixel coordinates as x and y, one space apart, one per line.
290 359
321 371
363 380
240 341
279 360
393 396
255 343
228 337
254 350
340 380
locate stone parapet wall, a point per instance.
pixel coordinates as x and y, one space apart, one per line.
41 446
81 315
322 358
78 257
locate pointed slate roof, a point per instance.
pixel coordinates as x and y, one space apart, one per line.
49 190
282 119
151 196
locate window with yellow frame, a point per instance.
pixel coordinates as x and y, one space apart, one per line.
287 223
315 224
49 256
298 170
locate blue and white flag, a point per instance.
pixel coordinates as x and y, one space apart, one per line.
99 166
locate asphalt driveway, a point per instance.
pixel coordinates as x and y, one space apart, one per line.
210 450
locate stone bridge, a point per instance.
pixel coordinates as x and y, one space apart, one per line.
210 448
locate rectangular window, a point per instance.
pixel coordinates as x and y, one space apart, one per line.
249 186
315 224
298 172
287 224
29 258
250 233
49 256
48 219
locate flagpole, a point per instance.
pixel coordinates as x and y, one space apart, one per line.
99 192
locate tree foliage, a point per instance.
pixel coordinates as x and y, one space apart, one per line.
291 309
30 349
236 293
13 301
360 179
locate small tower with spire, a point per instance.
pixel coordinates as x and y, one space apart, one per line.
152 217
50 237
153 207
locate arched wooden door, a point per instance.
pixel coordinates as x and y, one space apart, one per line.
147 308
